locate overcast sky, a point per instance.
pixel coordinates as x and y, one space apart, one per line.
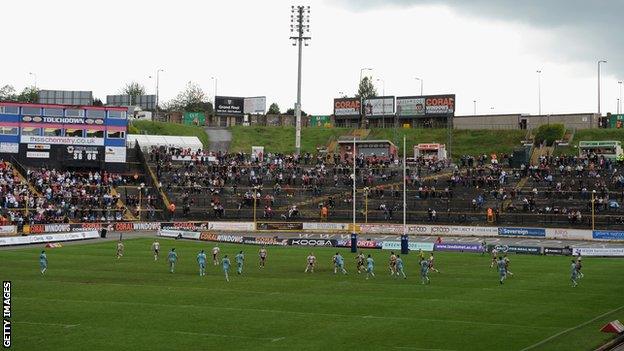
487 50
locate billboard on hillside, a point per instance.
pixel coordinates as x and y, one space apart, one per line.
440 104
410 106
255 105
194 118
229 105
347 107
320 121
379 106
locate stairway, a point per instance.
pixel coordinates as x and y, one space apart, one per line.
541 151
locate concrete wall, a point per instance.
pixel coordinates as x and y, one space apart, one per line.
512 121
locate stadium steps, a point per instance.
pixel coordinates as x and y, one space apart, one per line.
541 151
128 216
23 179
519 186
161 192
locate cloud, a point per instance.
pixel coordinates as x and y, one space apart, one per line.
585 31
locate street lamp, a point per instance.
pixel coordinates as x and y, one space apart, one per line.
620 98
299 24
216 81
539 91
474 107
599 62
157 87
35 77
362 70
421 84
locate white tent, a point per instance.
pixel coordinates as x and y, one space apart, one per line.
147 141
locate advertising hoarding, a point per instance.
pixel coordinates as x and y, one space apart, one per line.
408 106
539 232
229 105
194 118
379 106
440 104
347 107
255 105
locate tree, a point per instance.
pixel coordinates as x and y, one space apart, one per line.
97 102
7 93
133 89
366 89
29 94
274 109
291 111
191 99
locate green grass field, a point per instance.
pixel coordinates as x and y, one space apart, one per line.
88 300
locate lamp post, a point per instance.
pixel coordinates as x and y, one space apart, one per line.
539 91
599 62
35 77
362 70
299 23
421 84
620 98
157 89
214 101
474 107
140 189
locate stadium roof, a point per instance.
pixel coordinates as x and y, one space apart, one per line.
146 141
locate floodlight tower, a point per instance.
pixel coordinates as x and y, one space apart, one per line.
299 29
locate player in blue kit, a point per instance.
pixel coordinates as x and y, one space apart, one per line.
43 262
172 258
201 260
240 258
339 263
574 273
225 262
370 267
502 269
424 271
399 267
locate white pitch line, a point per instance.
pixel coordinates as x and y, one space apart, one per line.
52 324
301 313
419 348
571 329
229 336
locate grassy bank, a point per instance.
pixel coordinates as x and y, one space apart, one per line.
281 139
278 139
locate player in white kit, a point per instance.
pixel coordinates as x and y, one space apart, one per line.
215 255
262 254
156 249
311 263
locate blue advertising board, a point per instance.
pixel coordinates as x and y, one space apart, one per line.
541 232
608 234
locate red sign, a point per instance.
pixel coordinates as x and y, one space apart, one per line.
441 104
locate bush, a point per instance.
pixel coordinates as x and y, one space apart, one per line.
548 133
132 129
